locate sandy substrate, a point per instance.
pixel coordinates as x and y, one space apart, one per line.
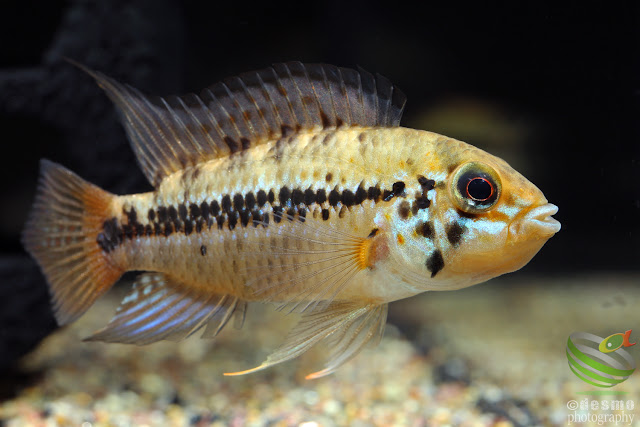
489 355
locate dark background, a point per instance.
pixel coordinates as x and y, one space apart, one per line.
553 90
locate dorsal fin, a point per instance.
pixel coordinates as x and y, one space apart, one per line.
173 133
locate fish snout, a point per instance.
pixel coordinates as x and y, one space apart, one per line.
536 223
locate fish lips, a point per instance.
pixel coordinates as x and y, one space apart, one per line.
537 223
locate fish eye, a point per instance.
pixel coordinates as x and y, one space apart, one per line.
475 187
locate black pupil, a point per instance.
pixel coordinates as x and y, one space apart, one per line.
479 189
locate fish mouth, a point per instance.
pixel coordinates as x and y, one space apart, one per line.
541 219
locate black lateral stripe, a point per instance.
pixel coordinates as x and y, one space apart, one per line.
231 211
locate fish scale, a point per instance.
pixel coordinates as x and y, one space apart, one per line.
303 164
292 185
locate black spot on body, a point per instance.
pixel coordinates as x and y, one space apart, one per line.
291 213
297 197
277 214
404 209
372 233
309 196
374 194
173 213
226 203
348 198
168 228
162 214
426 184
151 215
204 210
302 214
250 201
233 220
272 197
387 195
360 196
325 214
214 208
256 217
334 197
182 211
111 235
194 210
245 143
148 230
188 227
321 196
238 202
127 230
422 202
435 262
454 233
329 177
398 188
425 229
203 250
132 216
262 198
199 224
284 196
244 217
220 220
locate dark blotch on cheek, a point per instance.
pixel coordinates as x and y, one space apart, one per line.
435 263
454 233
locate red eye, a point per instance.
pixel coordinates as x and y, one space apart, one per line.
479 189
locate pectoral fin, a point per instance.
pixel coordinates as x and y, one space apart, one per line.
347 326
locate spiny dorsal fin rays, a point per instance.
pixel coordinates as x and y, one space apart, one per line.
353 325
168 135
158 307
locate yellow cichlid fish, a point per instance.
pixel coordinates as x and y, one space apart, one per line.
293 185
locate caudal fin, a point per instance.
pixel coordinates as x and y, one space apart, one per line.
61 234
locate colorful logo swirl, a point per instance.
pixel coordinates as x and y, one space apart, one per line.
595 367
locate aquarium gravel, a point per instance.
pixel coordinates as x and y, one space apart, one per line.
491 356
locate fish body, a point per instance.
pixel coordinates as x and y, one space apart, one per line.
293 185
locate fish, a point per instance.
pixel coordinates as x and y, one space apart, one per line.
294 185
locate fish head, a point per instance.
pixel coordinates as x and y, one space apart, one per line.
494 220
485 219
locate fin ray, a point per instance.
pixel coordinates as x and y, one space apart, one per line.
160 308
355 325
308 265
61 234
173 133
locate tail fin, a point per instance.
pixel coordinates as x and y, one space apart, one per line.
61 232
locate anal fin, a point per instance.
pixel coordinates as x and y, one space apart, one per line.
348 328
159 308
